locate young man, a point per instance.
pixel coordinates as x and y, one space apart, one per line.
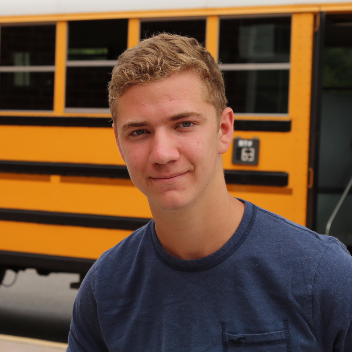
209 272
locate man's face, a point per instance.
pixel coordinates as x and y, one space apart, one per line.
168 136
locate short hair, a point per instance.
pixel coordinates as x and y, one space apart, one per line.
161 56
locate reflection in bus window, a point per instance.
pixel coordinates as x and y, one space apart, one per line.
27 67
255 40
93 48
97 40
260 91
27 45
255 57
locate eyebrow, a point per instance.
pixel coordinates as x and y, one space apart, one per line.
183 115
139 124
133 124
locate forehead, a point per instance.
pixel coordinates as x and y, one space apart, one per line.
184 90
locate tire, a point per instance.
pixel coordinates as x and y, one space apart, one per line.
2 275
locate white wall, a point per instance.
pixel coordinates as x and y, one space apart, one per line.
33 7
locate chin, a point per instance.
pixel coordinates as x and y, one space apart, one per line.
170 202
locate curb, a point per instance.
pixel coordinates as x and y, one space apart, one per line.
29 341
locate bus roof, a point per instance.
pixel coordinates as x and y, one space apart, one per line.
55 7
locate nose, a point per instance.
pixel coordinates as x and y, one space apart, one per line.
163 149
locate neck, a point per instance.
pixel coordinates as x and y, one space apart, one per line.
200 229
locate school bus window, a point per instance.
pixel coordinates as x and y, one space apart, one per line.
27 65
250 40
257 91
337 55
255 58
193 28
97 40
26 90
86 87
27 45
93 48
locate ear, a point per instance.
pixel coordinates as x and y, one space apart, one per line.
226 130
118 142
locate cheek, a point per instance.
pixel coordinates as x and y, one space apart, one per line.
199 152
206 146
135 157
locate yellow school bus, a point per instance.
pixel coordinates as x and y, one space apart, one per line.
65 193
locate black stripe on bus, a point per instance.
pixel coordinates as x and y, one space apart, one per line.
256 178
243 177
106 122
58 121
72 219
44 263
64 169
262 126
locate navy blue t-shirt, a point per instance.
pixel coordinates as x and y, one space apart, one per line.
274 286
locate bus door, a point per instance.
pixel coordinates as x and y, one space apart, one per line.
333 168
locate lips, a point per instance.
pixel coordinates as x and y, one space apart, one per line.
168 177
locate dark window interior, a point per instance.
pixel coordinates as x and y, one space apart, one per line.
255 40
258 91
190 28
337 56
26 90
97 40
86 87
28 45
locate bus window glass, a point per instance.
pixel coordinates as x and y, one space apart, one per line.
254 55
87 87
27 45
26 90
337 56
257 91
27 65
97 40
191 28
93 48
255 40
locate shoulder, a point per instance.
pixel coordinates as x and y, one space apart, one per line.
125 252
311 258
331 298
318 270
325 257
120 263
333 277
292 234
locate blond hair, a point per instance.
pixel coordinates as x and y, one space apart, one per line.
161 56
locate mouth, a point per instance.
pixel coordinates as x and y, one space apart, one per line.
169 177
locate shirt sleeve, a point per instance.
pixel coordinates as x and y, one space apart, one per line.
85 332
332 299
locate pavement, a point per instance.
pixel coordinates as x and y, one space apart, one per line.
37 307
20 344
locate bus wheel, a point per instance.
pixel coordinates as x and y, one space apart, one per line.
2 275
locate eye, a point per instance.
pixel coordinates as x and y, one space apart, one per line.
137 132
186 124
